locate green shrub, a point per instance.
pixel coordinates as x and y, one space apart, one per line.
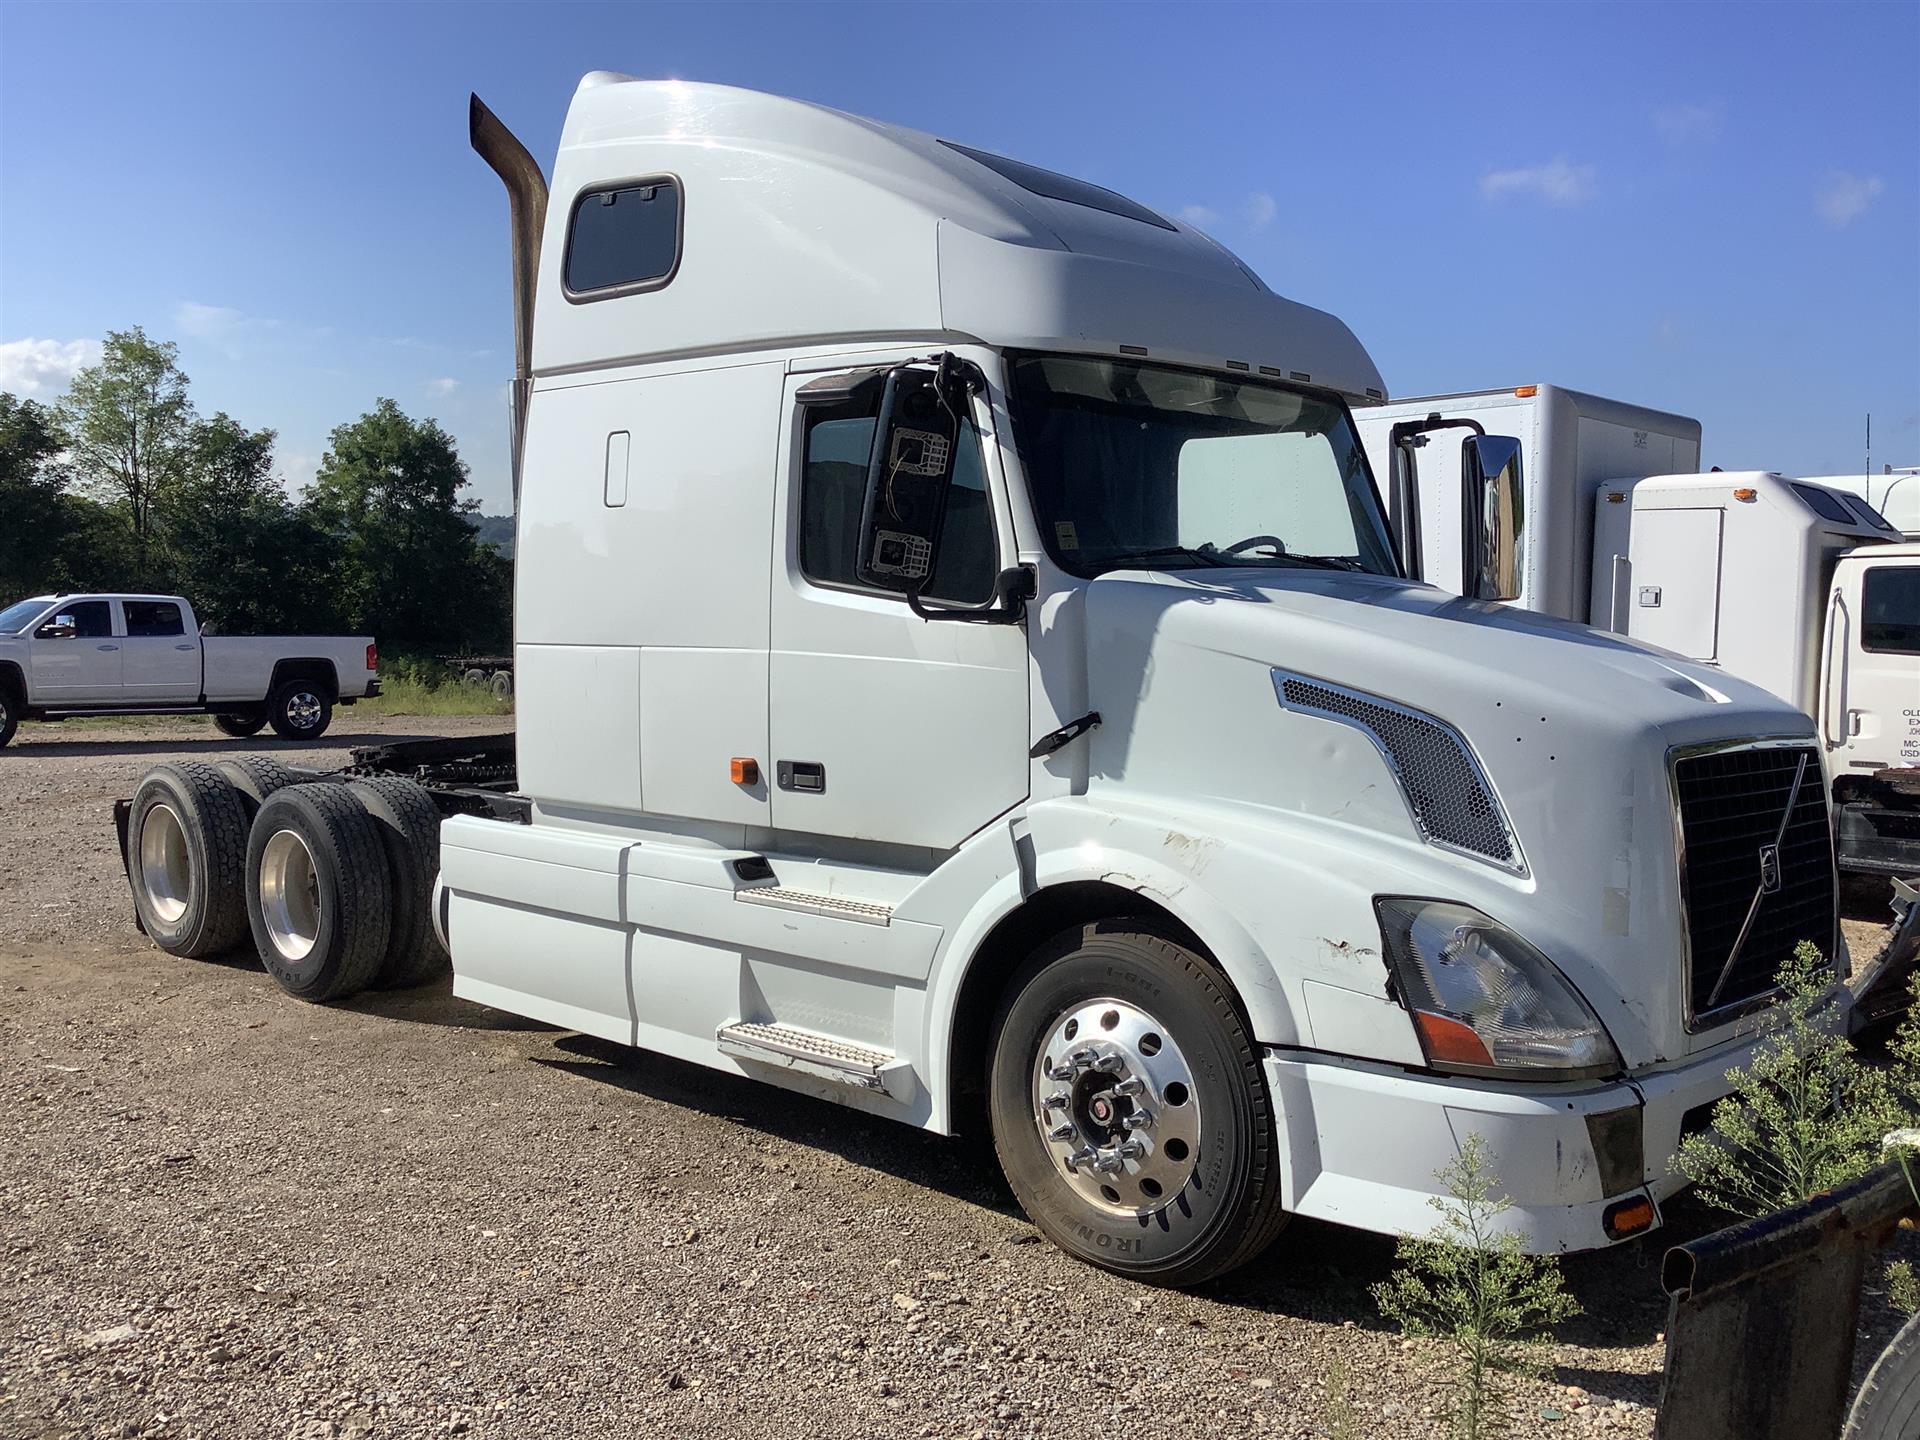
1470 1287
1805 1113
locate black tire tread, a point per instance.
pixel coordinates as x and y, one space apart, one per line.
347 832
214 808
256 777
410 829
1888 1405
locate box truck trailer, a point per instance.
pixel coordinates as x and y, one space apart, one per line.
1801 588
964 672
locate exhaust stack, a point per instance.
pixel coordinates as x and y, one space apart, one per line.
527 209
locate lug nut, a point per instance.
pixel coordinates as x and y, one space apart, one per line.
1138 1120
1056 1102
1131 1150
1060 1072
1132 1085
1060 1132
1082 1156
1082 1059
1107 1164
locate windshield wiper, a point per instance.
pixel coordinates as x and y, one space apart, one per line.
1324 562
1165 552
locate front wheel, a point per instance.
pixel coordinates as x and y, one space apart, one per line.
240 726
9 716
300 710
1129 1110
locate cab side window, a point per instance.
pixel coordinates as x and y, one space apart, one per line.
152 618
833 484
92 619
1890 595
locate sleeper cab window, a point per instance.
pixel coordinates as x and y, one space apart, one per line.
834 483
623 238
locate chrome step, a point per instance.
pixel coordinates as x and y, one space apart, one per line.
837 907
841 1061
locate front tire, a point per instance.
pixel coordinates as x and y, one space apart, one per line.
300 710
240 727
319 899
1129 1109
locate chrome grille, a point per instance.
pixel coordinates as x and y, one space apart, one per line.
1731 803
1451 799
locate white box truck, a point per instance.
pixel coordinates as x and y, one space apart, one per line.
964 672
1801 588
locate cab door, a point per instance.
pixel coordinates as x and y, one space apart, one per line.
75 656
1871 687
883 726
159 660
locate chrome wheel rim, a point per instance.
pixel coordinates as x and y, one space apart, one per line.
303 710
166 865
1114 1099
289 896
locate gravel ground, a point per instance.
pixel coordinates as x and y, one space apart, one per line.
227 1214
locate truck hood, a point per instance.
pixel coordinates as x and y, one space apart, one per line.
1572 726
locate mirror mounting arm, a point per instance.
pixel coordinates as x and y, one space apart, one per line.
1012 588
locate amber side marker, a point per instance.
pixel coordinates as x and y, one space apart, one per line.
745 771
1627 1217
1527 392
1746 494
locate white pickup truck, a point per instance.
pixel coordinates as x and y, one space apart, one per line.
63 655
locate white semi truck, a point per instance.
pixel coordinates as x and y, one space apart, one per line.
1797 586
84 653
964 672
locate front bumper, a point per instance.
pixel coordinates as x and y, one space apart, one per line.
1362 1143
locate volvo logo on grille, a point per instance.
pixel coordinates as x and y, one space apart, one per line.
1769 869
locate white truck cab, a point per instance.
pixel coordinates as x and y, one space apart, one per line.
964 672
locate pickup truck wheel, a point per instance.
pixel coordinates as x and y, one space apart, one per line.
1129 1109
318 896
240 726
300 710
9 716
409 826
186 859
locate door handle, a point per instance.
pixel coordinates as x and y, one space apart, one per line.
807 776
106 647
185 647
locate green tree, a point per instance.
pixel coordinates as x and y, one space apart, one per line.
34 516
129 426
1468 1285
1804 1114
411 570
237 546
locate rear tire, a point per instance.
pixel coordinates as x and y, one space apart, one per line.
475 676
240 727
186 859
256 777
409 826
1193 1186
318 896
300 710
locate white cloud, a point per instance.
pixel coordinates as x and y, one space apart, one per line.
206 322
1557 182
1198 215
40 369
442 387
1843 197
1689 124
1261 208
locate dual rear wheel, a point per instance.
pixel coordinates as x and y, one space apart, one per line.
332 880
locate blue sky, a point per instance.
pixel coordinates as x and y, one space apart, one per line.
1714 209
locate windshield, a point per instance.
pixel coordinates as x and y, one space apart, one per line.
15 617
1134 464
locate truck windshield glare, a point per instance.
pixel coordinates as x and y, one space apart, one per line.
1133 464
17 615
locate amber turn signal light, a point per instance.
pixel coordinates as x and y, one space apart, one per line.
1449 1041
1747 494
745 771
1628 1217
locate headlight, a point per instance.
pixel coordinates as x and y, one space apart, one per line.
1484 1001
